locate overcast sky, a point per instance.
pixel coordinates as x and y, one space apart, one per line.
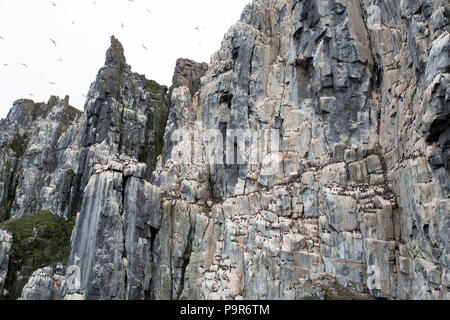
36 67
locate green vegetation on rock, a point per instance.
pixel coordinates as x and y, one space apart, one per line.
153 87
156 120
39 240
161 114
72 112
18 144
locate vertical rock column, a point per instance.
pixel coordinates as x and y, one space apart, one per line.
121 137
5 248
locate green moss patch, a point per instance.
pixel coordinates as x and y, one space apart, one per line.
158 113
39 240
153 87
18 145
160 118
72 112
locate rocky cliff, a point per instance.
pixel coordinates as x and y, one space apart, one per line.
308 160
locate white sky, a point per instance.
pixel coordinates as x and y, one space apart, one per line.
169 29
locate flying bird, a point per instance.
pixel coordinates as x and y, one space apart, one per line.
52 83
60 60
148 10
144 47
53 4
5 64
23 64
54 42
2 38
122 25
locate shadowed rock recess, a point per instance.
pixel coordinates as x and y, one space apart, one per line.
357 94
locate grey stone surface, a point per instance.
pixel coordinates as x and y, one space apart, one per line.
355 181
44 284
33 141
356 93
124 125
5 252
188 73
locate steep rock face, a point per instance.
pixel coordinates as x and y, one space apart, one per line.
122 136
44 284
92 156
188 73
310 162
32 141
352 99
5 251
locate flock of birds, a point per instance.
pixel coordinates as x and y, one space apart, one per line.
73 23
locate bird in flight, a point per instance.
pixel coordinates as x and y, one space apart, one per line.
60 60
148 10
5 64
54 42
23 64
52 83
53 4
122 25
2 38
144 47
